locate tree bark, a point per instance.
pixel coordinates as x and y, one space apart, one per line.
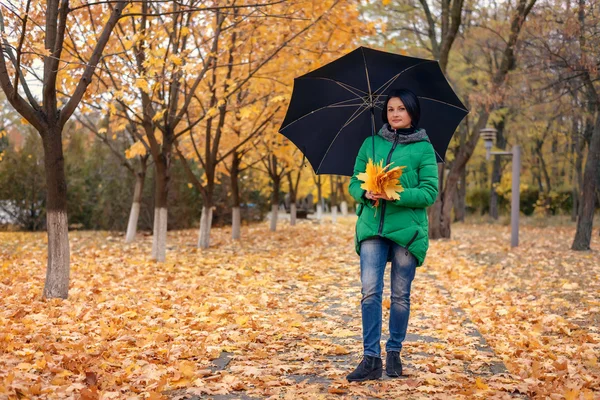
134 214
205 225
58 267
319 198
293 196
162 164
440 227
276 180
585 222
333 199
461 196
49 120
236 220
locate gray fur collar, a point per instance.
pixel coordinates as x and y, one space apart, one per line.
390 135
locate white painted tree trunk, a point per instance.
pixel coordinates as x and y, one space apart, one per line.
344 208
161 235
319 212
205 225
58 269
274 213
134 215
236 222
334 214
155 235
293 213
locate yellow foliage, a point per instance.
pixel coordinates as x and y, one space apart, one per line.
379 180
176 59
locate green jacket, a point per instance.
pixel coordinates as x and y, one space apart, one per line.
405 220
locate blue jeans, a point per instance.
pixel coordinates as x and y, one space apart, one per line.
374 254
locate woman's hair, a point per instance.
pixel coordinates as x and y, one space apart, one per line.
410 101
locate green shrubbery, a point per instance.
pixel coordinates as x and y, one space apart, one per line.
559 202
100 190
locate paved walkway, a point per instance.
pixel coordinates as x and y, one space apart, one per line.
443 349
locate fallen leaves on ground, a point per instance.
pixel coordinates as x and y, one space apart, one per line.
278 315
538 305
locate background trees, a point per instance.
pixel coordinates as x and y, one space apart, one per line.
178 106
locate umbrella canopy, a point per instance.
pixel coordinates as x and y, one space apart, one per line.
335 107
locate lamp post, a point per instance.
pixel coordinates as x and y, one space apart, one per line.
489 136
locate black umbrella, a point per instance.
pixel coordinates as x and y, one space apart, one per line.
335 107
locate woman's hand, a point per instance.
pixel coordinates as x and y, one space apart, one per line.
374 196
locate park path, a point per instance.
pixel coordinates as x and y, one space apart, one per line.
277 315
444 354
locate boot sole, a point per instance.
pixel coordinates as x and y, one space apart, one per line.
374 375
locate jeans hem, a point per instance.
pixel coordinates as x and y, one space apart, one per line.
372 355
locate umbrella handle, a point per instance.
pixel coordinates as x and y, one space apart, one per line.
373 132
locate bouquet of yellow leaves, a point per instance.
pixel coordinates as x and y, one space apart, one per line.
381 180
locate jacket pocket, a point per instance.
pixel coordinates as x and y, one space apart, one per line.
413 239
359 209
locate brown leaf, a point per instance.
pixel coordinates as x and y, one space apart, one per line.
91 379
90 393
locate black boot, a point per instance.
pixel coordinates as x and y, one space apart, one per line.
393 365
368 369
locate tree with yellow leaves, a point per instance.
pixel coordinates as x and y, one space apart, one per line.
36 33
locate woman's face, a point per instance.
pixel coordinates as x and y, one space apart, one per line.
397 115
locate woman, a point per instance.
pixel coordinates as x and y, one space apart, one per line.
396 231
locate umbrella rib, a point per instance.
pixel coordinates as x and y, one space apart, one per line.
443 102
346 105
367 73
343 85
386 85
319 109
352 118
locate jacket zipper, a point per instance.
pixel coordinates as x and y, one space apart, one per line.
389 157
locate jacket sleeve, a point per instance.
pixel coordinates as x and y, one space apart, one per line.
426 192
360 165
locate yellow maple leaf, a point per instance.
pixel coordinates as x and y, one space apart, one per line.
379 180
176 59
481 384
571 394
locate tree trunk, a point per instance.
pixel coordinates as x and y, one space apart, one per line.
435 211
333 199
555 159
588 199
344 207
293 196
319 198
134 214
574 177
236 223
205 225
580 146
58 267
461 194
236 218
293 213
461 197
442 226
547 182
275 203
159 239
